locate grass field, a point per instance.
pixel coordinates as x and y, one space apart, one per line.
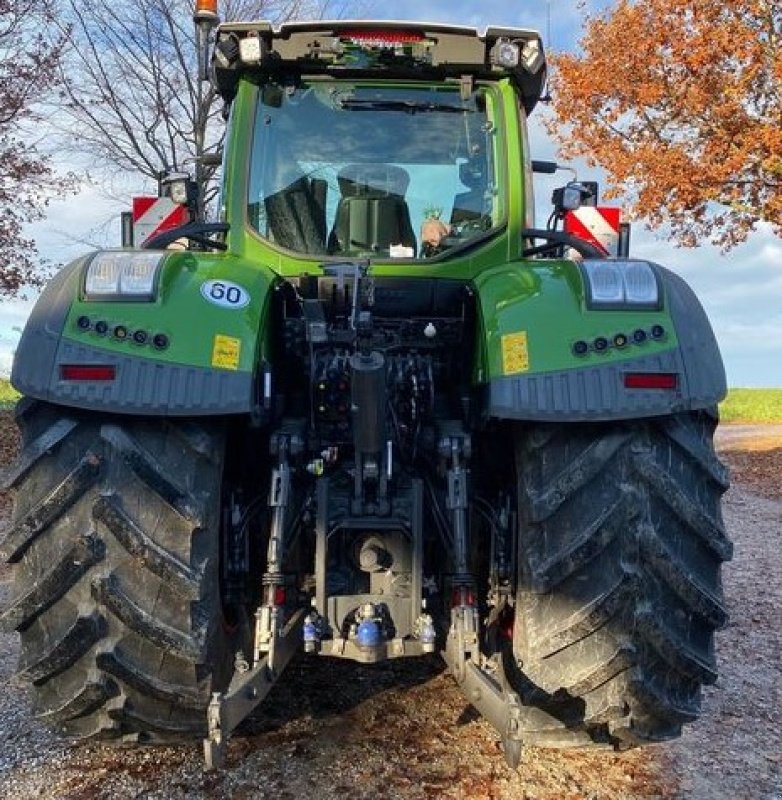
8 395
749 406
752 406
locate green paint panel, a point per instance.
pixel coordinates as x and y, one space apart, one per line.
185 316
545 300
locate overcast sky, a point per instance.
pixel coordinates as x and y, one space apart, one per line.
741 291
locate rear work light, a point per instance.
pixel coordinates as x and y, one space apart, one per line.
122 275
620 284
651 380
87 372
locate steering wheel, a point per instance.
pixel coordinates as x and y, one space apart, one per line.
556 240
194 231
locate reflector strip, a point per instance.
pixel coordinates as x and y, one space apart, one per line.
651 380
87 372
599 225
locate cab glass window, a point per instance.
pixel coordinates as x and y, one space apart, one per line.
354 170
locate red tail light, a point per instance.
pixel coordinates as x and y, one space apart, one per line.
651 380
88 372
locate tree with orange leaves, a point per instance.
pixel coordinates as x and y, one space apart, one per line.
680 101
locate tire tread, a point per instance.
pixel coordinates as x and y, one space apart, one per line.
621 543
115 570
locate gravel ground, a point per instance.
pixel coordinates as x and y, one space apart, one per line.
337 730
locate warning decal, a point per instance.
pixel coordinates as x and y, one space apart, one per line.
515 356
225 352
154 215
599 225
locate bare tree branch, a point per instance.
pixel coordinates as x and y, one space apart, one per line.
132 97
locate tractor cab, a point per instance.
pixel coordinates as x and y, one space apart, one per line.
389 144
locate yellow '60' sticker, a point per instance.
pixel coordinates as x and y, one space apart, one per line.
225 352
515 356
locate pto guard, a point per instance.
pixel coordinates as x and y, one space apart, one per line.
187 378
545 306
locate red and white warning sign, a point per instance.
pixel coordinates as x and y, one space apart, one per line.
599 225
153 215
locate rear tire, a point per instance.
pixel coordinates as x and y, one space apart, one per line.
116 596
619 593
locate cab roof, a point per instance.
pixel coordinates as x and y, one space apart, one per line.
380 48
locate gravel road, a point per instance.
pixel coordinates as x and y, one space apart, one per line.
337 730
748 437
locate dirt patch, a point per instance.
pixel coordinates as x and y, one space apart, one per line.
758 469
754 455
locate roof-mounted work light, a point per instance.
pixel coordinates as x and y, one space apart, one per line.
512 53
251 50
506 54
532 56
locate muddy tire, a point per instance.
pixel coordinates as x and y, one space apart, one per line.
621 542
114 543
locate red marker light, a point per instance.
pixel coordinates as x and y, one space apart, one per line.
88 372
651 380
384 38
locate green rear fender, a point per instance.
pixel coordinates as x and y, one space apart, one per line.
196 349
533 313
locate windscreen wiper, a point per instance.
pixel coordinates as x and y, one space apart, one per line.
409 106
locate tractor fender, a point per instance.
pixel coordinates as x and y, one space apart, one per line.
192 376
534 313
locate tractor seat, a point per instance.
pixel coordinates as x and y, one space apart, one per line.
372 213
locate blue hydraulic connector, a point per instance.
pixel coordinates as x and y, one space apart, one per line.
311 632
368 634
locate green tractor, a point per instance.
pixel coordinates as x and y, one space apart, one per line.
370 413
